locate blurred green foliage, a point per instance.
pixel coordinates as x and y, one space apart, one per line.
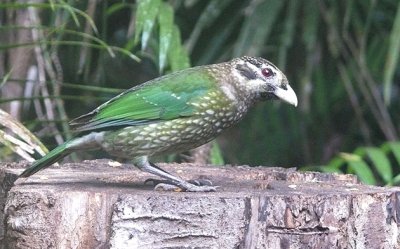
373 165
341 57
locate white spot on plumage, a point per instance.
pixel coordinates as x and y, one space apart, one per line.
138 138
175 96
229 92
145 146
209 111
164 138
123 134
150 102
153 134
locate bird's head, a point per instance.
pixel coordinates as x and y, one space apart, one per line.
263 79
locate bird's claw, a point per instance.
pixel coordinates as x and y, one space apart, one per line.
155 182
189 188
200 185
201 182
195 188
167 187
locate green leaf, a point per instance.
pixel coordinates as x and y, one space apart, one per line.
362 170
71 10
70 43
5 78
392 57
288 33
310 26
210 13
330 170
114 8
396 180
257 26
146 14
177 55
381 163
18 138
335 163
393 147
166 20
216 154
217 43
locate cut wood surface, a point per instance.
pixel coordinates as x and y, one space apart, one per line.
102 204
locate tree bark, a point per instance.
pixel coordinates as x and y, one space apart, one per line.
100 204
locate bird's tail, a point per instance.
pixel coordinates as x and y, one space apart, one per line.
86 142
52 157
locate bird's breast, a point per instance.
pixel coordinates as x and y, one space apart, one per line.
171 136
210 115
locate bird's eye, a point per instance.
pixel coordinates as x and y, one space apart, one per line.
267 72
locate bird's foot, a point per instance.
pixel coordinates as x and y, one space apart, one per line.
188 188
194 188
200 185
201 182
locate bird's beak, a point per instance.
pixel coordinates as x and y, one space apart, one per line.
288 95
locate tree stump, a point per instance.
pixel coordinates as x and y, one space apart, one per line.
102 204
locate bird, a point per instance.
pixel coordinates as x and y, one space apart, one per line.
174 113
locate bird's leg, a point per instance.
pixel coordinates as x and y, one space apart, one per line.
197 182
143 164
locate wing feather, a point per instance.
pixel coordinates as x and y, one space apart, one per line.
164 98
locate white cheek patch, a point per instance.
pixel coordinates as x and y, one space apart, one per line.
229 92
256 85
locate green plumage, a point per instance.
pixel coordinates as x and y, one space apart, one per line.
174 113
164 98
52 157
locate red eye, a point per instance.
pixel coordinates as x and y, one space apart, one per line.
267 72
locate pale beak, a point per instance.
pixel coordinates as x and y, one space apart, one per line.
288 95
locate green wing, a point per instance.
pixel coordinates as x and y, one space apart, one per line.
164 98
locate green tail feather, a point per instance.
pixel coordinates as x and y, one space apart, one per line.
52 157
